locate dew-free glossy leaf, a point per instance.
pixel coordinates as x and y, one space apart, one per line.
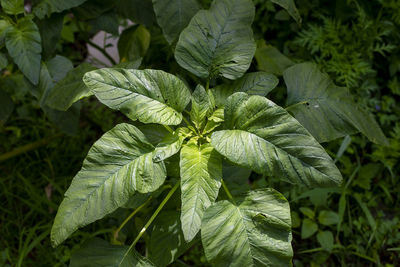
326 110
201 173
46 7
266 139
256 83
218 41
150 96
166 241
117 165
174 15
253 232
290 7
23 43
97 252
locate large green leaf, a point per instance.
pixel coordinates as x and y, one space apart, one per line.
167 242
133 43
13 7
46 7
256 83
254 232
170 144
117 165
326 110
50 31
24 46
290 7
271 60
201 107
139 11
99 253
70 89
218 41
266 139
151 96
201 173
174 15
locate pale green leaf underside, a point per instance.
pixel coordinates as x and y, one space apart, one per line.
218 41
166 241
326 110
70 89
99 253
174 15
46 7
255 232
256 83
23 43
265 138
117 165
150 96
201 173
290 7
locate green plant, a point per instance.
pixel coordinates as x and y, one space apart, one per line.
229 122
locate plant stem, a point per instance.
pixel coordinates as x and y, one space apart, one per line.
130 217
186 121
32 146
170 193
296 104
103 51
207 85
168 128
227 192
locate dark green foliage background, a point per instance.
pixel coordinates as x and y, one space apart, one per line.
356 42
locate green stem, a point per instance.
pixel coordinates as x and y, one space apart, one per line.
130 217
32 146
103 51
227 192
170 193
207 85
186 121
169 129
297 104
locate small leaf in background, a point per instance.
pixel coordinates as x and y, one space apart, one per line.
290 7
218 41
325 238
108 22
201 173
174 15
12 7
327 217
308 212
139 11
167 242
271 60
3 61
133 43
366 174
308 228
6 107
97 252
70 89
252 232
118 164
23 43
296 221
256 83
150 96
326 110
44 8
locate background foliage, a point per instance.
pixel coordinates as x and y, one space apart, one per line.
355 42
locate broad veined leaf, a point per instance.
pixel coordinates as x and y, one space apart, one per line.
201 107
50 32
97 252
326 110
218 41
117 165
254 232
24 46
256 83
170 144
174 15
46 7
4 26
166 241
290 7
266 139
201 173
70 89
271 60
133 43
13 7
6 107
214 121
139 11
150 96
